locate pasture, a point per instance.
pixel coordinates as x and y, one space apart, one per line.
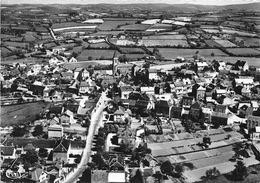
95 54
172 53
244 51
163 42
225 43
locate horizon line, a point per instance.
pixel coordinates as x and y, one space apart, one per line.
136 3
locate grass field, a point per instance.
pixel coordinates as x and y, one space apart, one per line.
172 53
95 54
167 37
19 114
225 43
100 45
86 64
163 42
114 24
244 51
131 50
249 41
137 27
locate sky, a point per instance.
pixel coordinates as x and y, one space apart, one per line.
203 2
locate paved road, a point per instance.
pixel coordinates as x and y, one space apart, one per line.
96 120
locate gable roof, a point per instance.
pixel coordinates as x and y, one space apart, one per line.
61 146
120 111
196 105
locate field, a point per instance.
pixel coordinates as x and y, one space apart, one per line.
67 24
100 45
160 26
19 114
163 42
177 36
212 43
131 50
113 24
225 43
250 41
251 60
134 27
16 44
172 53
134 56
211 30
105 33
228 31
5 52
95 54
244 51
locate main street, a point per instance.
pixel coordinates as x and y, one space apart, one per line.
96 120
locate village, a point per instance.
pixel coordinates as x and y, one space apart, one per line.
130 104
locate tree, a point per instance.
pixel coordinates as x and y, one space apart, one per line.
179 169
240 171
18 131
43 153
38 130
211 174
137 178
86 176
31 157
122 58
78 159
166 168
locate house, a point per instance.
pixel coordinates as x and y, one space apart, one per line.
175 112
221 92
55 131
118 115
207 112
245 81
256 134
8 152
153 74
67 118
87 86
67 75
202 65
147 89
162 108
201 91
81 74
218 118
195 111
242 65
252 122
37 88
255 105
60 150
187 101
221 109
125 91
179 87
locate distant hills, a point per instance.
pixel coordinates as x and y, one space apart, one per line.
152 7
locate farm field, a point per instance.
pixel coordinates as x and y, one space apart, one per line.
113 24
177 36
160 27
67 24
137 27
131 50
19 114
16 44
95 54
228 31
105 33
100 45
250 41
162 42
172 53
134 56
211 30
212 43
225 43
244 51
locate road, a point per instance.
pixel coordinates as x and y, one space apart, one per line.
96 120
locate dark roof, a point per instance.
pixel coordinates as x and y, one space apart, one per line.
7 151
126 88
61 146
220 107
196 105
162 104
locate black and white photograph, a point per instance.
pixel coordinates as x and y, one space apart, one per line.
130 91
